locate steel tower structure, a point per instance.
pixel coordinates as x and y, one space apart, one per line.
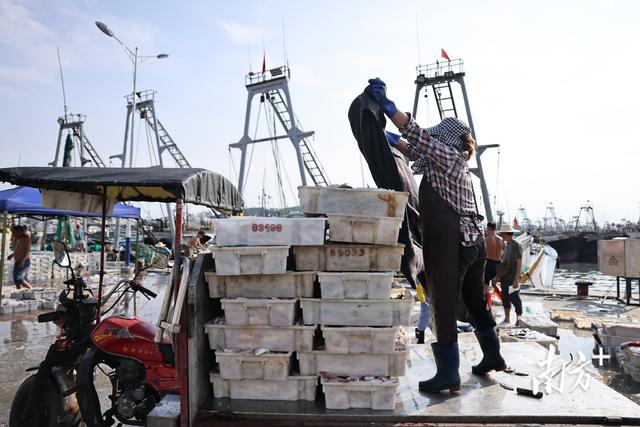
273 87
74 123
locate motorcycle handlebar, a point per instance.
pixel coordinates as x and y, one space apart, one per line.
145 291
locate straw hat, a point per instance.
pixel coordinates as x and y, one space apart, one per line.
507 228
160 245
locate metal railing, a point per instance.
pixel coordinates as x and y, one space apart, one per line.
441 68
69 119
145 95
274 73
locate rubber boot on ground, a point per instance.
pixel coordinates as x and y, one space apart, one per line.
491 358
447 377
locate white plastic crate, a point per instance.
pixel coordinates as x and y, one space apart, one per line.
632 354
632 370
251 260
359 340
357 312
274 338
346 395
611 342
348 257
263 231
242 366
272 312
364 229
355 285
361 364
292 284
623 329
352 201
293 388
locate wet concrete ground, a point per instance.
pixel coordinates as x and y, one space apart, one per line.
25 341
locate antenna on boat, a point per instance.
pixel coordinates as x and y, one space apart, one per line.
64 94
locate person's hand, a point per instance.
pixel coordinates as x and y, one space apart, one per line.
393 138
10 257
516 285
377 89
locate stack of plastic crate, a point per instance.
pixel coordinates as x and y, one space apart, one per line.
255 341
359 310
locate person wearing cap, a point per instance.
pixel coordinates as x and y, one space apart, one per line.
509 274
453 238
162 248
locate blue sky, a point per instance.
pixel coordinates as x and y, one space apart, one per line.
552 82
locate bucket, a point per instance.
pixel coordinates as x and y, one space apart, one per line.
583 288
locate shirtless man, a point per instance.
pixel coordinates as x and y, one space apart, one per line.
494 245
21 254
195 243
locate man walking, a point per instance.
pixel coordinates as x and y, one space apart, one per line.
494 245
21 254
509 274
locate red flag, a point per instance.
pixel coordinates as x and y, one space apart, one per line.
444 54
264 63
515 223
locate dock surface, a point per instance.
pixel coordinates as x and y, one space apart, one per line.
481 399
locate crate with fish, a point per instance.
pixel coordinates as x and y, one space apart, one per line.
369 392
352 201
271 311
364 285
295 387
348 257
243 260
253 364
364 229
392 364
275 338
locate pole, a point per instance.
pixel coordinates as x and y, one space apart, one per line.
2 250
133 104
181 340
102 230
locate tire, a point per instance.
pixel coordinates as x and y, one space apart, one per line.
48 411
87 396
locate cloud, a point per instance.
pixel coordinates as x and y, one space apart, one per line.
239 33
305 76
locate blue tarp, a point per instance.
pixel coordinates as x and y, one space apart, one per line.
28 201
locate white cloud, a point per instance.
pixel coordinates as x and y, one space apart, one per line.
239 33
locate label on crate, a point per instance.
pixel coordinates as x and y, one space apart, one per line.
347 252
266 228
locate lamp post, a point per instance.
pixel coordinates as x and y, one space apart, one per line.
135 60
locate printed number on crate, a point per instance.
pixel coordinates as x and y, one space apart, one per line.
347 252
268 228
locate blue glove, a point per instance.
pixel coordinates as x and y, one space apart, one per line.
393 138
377 89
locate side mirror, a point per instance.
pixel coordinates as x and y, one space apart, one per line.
159 260
60 254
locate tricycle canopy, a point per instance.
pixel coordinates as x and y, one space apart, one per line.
191 185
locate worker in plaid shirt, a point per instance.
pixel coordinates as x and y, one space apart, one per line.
453 241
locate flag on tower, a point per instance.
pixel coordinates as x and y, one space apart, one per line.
515 223
443 54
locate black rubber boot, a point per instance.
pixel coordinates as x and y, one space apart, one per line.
447 376
420 336
491 358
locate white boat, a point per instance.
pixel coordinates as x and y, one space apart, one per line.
538 262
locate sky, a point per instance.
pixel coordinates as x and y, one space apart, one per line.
552 82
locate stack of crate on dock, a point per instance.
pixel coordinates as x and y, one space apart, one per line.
256 339
359 312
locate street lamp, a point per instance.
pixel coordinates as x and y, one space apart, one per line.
135 60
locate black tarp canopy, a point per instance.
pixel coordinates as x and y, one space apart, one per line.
192 185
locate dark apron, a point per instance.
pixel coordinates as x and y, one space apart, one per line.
441 245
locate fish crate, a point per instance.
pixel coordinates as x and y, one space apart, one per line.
632 370
357 312
348 257
360 394
274 338
540 324
375 286
291 389
354 340
242 366
631 353
393 364
251 260
352 201
364 229
272 312
293 284
271 231
623 329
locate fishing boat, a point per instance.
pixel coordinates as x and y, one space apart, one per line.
539 262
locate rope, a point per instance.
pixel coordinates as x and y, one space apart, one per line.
496 192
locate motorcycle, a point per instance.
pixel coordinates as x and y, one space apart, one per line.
62 392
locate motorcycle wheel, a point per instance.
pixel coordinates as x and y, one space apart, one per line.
48 412
88 399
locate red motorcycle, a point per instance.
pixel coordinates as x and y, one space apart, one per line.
63 392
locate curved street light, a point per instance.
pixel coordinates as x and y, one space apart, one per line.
135 60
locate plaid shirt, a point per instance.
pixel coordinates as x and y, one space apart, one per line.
447 171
